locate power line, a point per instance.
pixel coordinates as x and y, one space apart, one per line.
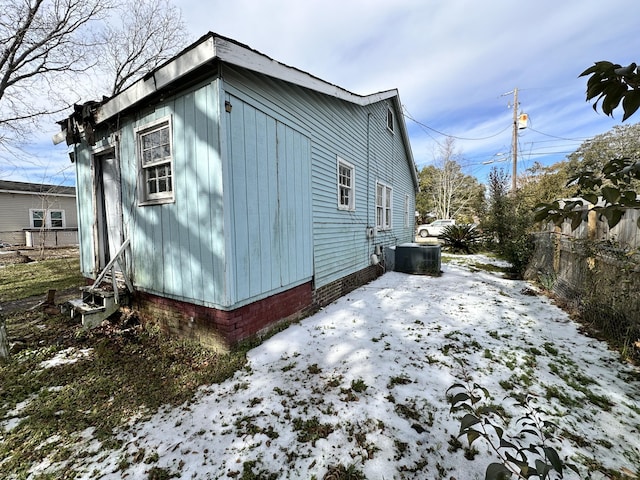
581 139
407 115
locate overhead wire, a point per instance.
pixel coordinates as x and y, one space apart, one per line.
408 115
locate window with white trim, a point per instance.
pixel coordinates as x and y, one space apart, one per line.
383 206
346 185
155 149
46 218
390 120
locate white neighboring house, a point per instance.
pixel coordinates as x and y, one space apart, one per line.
34 214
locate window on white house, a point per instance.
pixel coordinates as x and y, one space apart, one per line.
383 206
390 119
346 185
156 160
47 218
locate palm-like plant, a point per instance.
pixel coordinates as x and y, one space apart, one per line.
461 238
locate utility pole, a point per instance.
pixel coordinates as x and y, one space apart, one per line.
514 140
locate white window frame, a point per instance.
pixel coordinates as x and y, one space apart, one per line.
384 206
390 120
351 204
154 166
47 220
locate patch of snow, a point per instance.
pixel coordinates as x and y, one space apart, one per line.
66 356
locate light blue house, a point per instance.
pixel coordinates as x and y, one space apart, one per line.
244 191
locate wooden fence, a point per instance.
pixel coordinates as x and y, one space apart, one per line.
626 234
595 270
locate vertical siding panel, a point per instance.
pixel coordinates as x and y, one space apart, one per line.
217 207
259 230
283 229
250 210
299 204
84 202
240 252
179 243
195 159
206 191
272 230
307 206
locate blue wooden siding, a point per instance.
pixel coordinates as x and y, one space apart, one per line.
356 134
177 249
269 203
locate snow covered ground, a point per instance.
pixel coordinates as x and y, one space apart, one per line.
362 384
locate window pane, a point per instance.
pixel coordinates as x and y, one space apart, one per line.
37 217
155 145
56 219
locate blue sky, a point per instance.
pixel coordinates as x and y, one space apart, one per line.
452 61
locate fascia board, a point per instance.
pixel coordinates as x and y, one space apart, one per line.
175 69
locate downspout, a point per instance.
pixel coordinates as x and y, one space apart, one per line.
368 174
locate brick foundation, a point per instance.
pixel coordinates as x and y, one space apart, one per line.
338 288
221 329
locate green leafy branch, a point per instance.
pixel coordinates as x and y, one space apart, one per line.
615 185
483 420
611 84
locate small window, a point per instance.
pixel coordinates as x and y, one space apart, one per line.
346 185
390 120
47 218
156 160
383 206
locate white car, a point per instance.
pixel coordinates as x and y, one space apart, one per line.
434 229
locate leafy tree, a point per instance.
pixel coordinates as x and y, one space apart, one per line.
425 203
446 191
508 222
616 181
498 206
542 184
622 141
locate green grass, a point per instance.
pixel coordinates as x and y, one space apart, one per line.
36 278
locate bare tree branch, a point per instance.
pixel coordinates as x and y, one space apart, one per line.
44 42
54 53
151 32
